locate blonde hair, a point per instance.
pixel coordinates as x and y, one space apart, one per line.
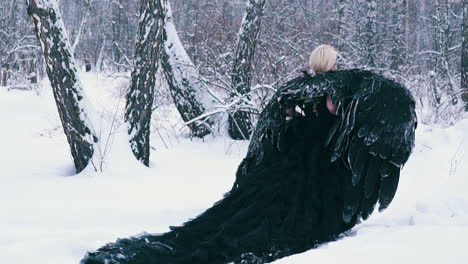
322 58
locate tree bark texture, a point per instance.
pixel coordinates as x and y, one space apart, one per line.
342 6
141 92
464 56
63 77
399 50
3 77
371 33
240 124
185 85
444 39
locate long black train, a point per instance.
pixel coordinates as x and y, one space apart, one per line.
308 176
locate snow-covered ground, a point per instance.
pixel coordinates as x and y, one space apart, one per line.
48 215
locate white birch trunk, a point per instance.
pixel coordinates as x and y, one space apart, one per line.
61 70
189 92
141 92
240 124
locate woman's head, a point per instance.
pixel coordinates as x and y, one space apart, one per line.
323 59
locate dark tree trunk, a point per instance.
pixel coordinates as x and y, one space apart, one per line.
185 84
342 6
240 124
141 93
371 33
62 73
399 50
87 63
3 79
464 56
116 6
33 71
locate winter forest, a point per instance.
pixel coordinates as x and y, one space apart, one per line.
122 118
417 42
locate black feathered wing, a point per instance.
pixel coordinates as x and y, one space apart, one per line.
373 136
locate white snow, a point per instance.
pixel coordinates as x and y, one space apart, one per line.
51 216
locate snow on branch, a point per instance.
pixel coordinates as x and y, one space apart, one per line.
190 93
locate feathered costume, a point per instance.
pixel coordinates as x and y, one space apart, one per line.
308 176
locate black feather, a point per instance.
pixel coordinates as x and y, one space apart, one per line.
358 157
368 204
388 188
372 176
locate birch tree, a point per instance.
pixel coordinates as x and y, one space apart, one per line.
62 73
240 124
187 89
444 44
83 24
141 92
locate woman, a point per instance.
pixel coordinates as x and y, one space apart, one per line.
271 210
323 59
308 176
